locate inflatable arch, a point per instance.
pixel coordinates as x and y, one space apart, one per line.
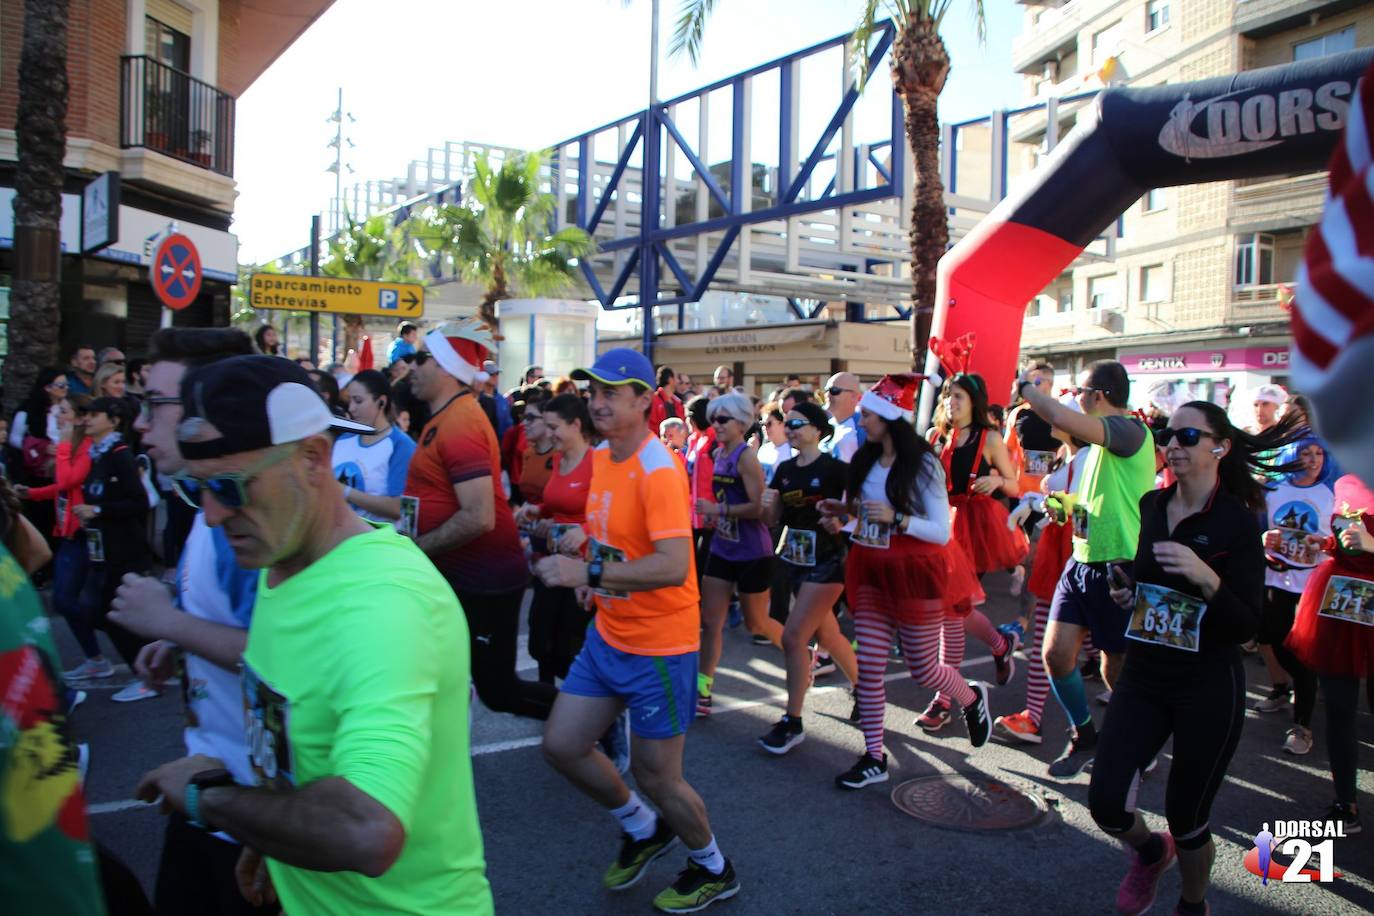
1259 122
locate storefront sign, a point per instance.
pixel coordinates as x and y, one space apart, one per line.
100 212
1273 360
742 341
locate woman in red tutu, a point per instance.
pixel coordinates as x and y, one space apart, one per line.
1333 635
900 575
970 451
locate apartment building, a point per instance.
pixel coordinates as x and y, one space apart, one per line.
1190 294
153 85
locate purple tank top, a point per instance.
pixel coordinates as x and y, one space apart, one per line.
736 539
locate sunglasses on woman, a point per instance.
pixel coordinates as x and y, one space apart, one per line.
721 419
230 489
1187 436
796 424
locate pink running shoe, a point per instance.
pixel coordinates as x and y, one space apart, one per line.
1137 892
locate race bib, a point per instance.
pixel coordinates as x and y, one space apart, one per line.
556 532
607 555
871 533
797 546
1294 549
409 522
61 509
1164 617
95 545
1349 599
727 528
265 717
1037 463
1080 521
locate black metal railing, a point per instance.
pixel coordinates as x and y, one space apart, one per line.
168 110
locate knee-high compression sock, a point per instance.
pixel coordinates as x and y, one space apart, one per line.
1037 681
953 646
1069 691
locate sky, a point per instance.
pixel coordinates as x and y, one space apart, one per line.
527 75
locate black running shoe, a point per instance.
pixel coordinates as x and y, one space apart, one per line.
696 888
866 771
1347 815
1078 754
785 735
1006 665
976 715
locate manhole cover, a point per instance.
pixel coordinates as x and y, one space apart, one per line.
969 803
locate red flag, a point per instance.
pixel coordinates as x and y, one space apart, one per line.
365 354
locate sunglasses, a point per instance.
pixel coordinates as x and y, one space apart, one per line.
145 410
796 424
231 489
1187 436
721 419
834 391
422 357
114 362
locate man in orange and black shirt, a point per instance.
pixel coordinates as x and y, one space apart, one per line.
463 521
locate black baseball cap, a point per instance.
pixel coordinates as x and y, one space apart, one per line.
254 402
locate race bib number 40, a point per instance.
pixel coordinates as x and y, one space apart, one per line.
1165 617
797 546
1349 599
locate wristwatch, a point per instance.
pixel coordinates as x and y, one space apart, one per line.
899 520
205 779
594 570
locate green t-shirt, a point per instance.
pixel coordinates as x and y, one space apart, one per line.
46 863
1106 514
358 667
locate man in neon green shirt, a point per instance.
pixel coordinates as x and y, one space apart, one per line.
356 673
1120 470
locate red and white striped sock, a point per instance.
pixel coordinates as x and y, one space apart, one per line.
953 646
873 629
1037 681
926 662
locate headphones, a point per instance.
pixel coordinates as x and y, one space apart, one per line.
1218 451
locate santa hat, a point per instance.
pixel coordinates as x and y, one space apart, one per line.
893 397
461 348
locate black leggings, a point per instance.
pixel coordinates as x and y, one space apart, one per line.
1342 696
558 624
493 628
1204 711
1279 609
196 874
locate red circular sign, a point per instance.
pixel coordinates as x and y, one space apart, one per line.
175 272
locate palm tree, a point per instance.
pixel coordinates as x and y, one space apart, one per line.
501 239
920 66
41 133
373 249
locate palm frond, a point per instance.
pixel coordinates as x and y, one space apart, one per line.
690 30
861 39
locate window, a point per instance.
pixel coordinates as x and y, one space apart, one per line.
1103 292
166 44
1065 299
1033 310
1152 201
1156 15
1152 283
1254 259
1322 45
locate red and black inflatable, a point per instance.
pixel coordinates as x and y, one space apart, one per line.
1258 122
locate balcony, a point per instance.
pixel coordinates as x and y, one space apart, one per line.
1263 302
1272 204
168 111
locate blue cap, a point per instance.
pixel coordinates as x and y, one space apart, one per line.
620 366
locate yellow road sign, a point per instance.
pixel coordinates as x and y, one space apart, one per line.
336 295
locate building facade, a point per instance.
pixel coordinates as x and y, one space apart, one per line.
153 85
1192 297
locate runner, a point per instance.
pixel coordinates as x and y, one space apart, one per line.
200 635
641 653
899 575
741 556
538 458
1333 636
776 446
372 466
1032 447
1119 469
667 404
1053 551
811 551
464 521
1191 597
701 445
355 675
558 621
1300 507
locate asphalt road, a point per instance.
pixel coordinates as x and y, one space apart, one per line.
799 845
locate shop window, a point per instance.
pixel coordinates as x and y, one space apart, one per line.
1152 283
1104 292
1322 45
1254 259
1156 15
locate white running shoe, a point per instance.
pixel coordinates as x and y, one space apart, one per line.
135 692
91 667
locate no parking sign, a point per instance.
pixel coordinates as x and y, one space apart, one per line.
175 272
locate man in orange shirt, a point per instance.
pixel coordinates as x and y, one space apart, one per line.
642 652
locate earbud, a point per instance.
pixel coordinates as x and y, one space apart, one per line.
1218 451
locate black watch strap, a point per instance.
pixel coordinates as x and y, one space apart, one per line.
594 570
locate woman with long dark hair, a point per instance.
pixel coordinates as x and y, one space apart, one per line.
34 433
1194 593
1333 636
372 467
700 468
558 620
900 576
